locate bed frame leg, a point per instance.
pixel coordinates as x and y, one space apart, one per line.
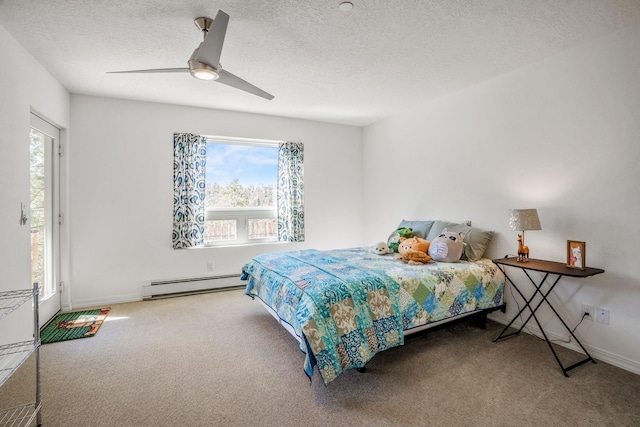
482 317
482 320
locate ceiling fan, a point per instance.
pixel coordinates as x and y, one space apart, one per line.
204 63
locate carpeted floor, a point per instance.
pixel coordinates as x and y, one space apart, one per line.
220 360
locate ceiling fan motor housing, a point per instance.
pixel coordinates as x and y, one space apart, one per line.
200 70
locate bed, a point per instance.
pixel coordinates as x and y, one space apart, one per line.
346 305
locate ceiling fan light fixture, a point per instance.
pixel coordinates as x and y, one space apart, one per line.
204 74
200 70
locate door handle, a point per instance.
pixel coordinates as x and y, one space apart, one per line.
23 216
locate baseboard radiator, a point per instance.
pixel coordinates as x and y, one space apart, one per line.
154 289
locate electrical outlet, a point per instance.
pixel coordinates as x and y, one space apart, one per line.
588 310
602 315
211 265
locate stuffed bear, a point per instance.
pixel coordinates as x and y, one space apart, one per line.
415 243
381 248
447 247
397 236
414 251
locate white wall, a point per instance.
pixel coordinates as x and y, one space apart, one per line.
121 187
561 136
24 86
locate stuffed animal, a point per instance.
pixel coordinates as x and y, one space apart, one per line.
414 251
397 236
447 247
381 248
415 257
415 243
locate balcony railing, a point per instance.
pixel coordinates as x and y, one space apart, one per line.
228 229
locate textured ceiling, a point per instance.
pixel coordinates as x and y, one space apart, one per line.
320 63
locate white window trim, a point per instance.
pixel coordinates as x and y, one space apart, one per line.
246 213
243 141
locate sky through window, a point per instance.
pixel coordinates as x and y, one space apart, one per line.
250 164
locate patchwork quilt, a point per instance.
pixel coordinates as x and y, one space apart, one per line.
347 305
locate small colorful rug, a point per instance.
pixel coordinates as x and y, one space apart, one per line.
74 325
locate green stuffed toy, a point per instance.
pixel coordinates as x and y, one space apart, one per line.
397 236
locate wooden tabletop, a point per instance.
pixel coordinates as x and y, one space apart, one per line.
549 267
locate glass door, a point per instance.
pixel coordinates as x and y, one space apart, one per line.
44 162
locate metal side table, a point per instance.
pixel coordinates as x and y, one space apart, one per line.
552 268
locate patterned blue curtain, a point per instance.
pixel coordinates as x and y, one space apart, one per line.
290 192
189 161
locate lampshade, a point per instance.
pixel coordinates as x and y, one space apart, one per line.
524 219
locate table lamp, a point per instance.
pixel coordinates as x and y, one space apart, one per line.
522 220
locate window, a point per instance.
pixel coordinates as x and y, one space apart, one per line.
256 191
240 197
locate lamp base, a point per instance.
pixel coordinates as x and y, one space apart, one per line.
523 251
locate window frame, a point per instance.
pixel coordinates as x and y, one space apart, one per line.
244 214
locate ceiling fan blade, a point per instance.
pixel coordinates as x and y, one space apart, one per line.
231 80
211 47
154 70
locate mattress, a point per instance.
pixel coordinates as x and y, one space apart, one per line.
346 305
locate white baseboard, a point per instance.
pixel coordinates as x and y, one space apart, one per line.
103 302
121 299
595 352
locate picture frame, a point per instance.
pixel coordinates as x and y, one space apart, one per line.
576 251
